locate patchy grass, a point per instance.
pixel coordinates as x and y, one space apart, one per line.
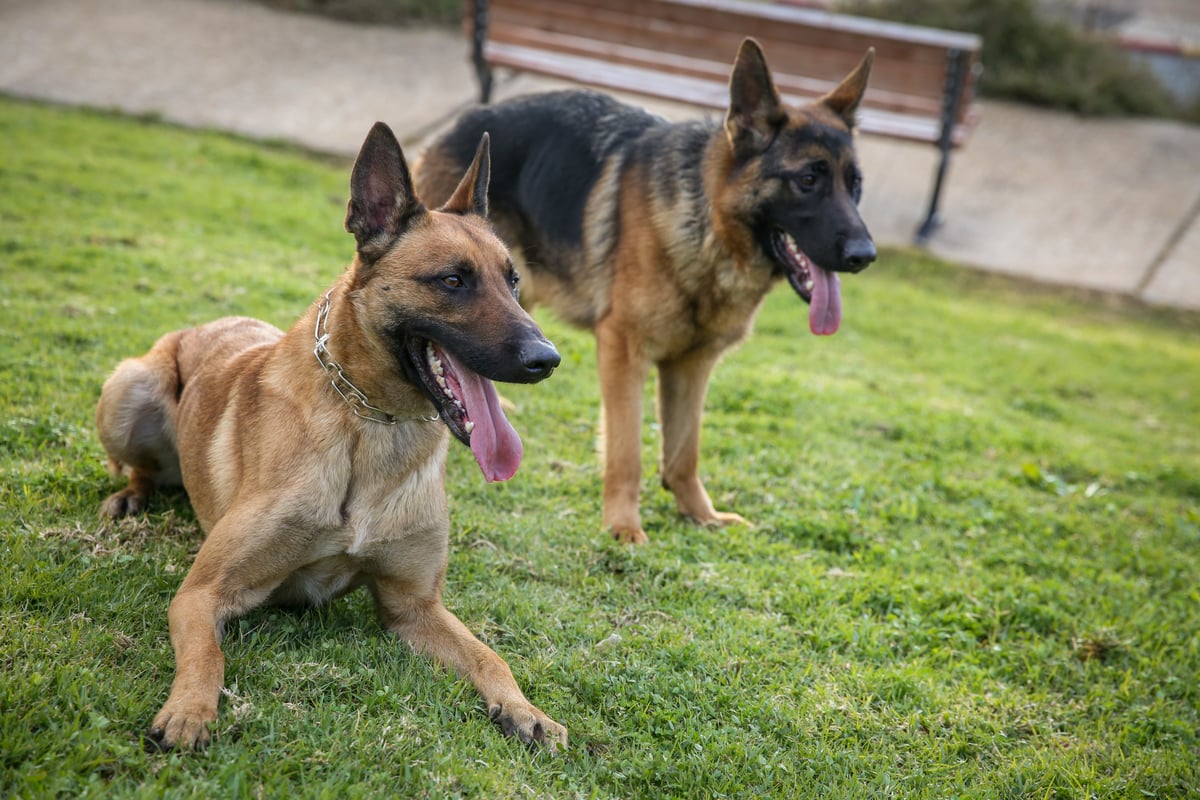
973 570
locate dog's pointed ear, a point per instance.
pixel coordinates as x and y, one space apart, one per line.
382 199
756 114
845 99
471 195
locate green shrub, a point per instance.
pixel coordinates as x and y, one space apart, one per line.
387 12
1036 60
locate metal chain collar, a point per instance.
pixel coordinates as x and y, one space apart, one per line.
353 396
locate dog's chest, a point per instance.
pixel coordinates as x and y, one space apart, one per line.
383 514
712 305
395 490
380 515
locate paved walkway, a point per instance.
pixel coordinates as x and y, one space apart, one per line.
1112 205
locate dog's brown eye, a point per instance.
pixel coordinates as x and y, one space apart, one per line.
453 281
806 181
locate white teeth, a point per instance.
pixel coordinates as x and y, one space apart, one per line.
435 364
439 374
801 261
794 250
470 426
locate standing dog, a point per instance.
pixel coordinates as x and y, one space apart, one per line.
313 476
663 239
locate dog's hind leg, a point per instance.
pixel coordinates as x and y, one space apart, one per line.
682 385
135 418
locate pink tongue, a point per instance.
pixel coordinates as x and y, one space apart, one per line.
825 310
496 446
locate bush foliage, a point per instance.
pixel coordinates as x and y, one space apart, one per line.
1035 60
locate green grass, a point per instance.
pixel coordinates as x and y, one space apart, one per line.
973 573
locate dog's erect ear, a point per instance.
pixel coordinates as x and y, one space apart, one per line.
756 114
471 195
844 100
381 189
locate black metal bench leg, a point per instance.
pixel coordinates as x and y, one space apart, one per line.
482 71
933 217
956 73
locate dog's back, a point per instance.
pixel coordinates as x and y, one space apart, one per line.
558 160
548 151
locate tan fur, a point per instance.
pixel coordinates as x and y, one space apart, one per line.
300 499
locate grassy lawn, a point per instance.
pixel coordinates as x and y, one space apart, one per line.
973 571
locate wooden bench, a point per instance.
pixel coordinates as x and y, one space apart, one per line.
922 85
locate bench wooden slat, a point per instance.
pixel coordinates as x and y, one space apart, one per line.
716 14
802 27
797 86
907 69
691 90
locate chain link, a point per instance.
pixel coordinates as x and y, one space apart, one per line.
353 396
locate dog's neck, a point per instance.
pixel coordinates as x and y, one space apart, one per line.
354 397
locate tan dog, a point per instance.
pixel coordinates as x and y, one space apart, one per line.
664 239
314 476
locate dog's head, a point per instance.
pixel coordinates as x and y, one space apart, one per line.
803 215
440 291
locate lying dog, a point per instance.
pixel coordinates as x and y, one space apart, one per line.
312 476
663 239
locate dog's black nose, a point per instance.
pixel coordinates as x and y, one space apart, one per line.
858 255
539 358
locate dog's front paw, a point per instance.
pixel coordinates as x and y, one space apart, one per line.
528 724
179 730
628 534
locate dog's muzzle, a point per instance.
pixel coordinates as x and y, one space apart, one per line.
857 255
538 359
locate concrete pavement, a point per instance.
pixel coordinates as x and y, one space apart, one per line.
1112 205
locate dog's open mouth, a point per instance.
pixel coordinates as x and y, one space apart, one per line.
470 407
818 287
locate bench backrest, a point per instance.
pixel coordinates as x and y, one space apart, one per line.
808 50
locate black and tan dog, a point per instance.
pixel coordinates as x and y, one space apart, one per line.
313 476
664 239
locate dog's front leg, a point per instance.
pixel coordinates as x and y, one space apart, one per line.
622 376
199 673
430 628
682 385
230 576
